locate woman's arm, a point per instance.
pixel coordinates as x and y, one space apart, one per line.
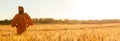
14 21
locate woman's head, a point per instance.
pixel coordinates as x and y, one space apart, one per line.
20 9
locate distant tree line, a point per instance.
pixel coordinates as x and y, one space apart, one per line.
52 21
5 22
64 21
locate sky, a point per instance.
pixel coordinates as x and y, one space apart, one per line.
62 9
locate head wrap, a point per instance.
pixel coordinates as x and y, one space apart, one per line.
21 11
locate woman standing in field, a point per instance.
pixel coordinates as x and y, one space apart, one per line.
21 20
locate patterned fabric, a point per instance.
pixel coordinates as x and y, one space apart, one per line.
21 21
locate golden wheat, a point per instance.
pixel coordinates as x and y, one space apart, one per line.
63 32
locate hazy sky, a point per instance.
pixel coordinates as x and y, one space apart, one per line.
62 9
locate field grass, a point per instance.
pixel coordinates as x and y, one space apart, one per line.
63 32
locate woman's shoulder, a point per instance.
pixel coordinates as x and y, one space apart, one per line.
26 14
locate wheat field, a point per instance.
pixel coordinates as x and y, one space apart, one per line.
63 32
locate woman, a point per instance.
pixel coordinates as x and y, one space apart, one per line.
21 20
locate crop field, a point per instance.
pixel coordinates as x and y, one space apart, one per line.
63 32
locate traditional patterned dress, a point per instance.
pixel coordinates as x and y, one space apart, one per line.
21 21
